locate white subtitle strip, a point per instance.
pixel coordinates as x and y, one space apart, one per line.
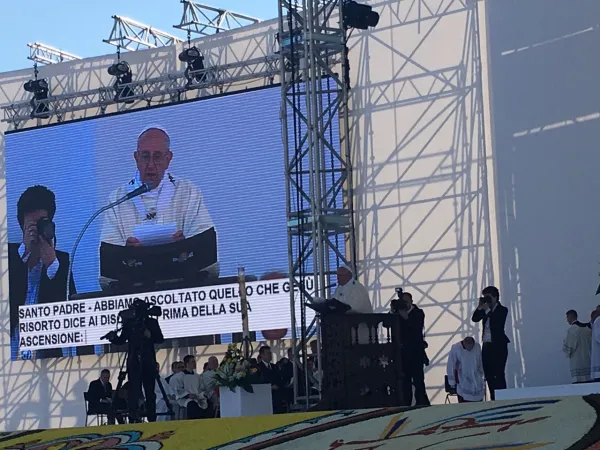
185 313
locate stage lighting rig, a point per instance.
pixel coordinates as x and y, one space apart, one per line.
39 88
195 65
122 72
359 16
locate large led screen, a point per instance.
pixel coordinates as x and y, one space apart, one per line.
216 172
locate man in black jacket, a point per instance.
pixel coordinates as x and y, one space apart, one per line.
141 333
100 397
37 272
269 373
413 351
495 341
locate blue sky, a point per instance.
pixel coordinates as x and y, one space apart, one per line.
78 26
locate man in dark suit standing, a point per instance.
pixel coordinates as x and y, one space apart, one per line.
269 374
495 341
37 272
414 357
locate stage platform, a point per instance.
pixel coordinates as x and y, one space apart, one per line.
549 423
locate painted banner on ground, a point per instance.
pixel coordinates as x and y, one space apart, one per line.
185 312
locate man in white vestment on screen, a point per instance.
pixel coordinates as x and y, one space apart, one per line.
577 346
172 211
465 370
188 386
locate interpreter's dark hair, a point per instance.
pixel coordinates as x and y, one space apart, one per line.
188 358
572 313
407 294
105 371
175 364
491 290
35 198
263 349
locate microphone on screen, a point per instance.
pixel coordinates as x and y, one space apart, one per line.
145 187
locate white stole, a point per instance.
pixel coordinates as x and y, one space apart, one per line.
166 192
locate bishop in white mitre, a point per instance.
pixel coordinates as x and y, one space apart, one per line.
465 370
173 205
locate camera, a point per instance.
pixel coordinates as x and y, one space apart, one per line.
140 310
397 305
134 317
486 299
46 229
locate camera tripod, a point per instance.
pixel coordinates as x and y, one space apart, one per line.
123 375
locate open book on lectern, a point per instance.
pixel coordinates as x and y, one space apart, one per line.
149 264
331 306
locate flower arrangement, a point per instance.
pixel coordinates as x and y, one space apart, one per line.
235 371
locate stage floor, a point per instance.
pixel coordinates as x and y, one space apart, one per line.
549 423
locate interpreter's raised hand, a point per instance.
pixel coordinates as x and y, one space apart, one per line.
47 253
30 237
133 242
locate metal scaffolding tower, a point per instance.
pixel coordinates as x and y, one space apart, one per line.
131 35
206 20
44 54
318 167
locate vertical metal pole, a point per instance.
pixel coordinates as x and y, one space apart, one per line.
346 151
309 66
244 307
288 194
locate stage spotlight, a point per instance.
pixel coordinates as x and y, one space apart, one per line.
39 89
359 16
195 63
122 71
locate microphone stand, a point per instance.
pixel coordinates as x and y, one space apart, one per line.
78 240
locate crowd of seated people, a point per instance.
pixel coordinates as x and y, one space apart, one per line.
193 395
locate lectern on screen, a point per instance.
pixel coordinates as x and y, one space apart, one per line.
173 261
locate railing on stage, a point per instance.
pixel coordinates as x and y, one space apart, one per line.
362 361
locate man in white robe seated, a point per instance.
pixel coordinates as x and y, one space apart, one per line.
577 346
188 391
207 382
161 403
465 370
173 206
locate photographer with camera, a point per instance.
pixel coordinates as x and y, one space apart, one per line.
37 271
414 357
495 341
141 332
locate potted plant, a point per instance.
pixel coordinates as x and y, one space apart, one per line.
251 399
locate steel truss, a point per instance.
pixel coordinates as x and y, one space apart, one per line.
206 20
131 35
318 167
44 54
171 86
